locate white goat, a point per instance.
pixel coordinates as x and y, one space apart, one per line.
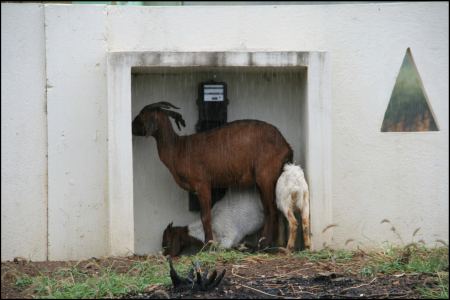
292 194
238 214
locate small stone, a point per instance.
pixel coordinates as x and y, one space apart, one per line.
160 294
20 260
151 287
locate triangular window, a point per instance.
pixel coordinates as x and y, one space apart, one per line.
408 108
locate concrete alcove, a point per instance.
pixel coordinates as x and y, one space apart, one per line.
287 89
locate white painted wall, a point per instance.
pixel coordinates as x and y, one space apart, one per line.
24 133
157 198
77 131
374 175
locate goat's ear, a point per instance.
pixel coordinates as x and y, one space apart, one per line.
177 117
170 225
180 121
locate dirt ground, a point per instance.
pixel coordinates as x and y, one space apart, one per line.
295 278
251 278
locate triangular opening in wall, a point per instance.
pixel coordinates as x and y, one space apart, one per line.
408 109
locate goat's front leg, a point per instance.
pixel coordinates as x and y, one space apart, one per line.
204 198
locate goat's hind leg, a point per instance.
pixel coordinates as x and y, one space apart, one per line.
305 220
288 205
293 225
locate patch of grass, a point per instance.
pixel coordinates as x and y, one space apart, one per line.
367 271
73 283
24 281
213 256
72 272
43 285
414 258
439 292
326 254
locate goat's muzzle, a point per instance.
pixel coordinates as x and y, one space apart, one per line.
138 127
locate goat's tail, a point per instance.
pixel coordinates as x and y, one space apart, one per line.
294 198
289 157
297 200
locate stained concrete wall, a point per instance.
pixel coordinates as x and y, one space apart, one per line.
402 177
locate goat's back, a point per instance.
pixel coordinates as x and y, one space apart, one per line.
291 183
237 151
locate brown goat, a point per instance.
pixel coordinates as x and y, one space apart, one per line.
176 239
240 153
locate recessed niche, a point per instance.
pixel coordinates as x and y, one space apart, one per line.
288 89
408 109
274 95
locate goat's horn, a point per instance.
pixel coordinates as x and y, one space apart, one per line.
161 104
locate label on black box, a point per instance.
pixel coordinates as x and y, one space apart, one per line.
213 92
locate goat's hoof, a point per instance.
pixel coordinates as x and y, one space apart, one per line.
210 245
159 294
290 248
242 247
262 243
285 251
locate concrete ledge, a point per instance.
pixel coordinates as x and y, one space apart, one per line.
210 59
